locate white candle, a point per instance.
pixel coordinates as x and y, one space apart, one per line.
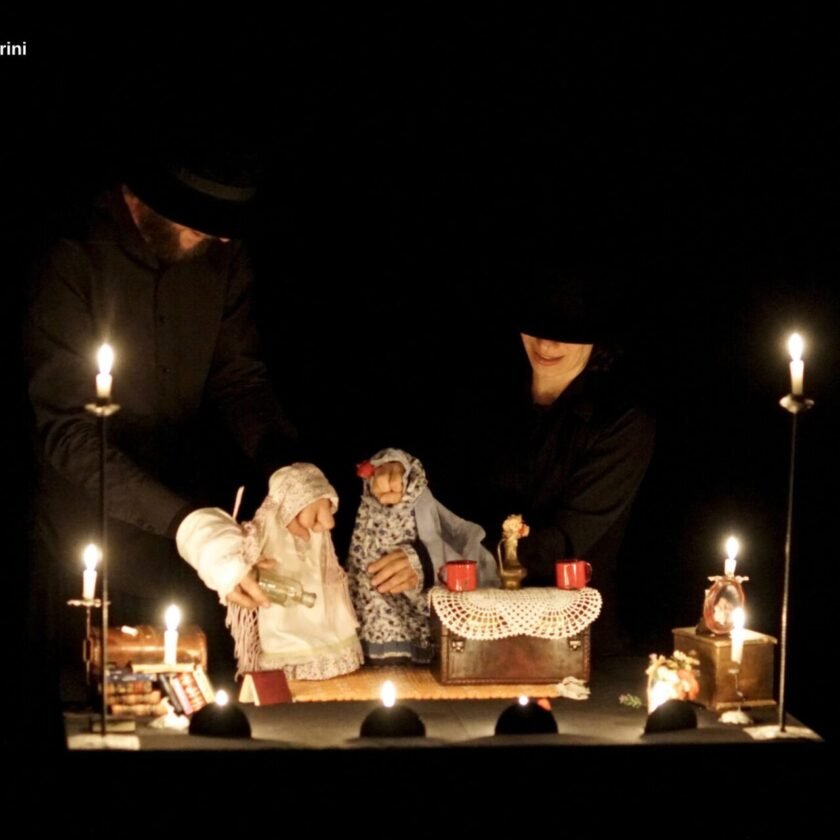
737 634
172 617
732 548
388 694
105 358
797 366
660 693
90 558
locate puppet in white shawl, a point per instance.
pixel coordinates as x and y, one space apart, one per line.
396 626
310 643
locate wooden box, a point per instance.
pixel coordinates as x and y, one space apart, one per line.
517 659
144 644
717 684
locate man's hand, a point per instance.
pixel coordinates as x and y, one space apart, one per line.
387 483
248 593
393 573
314 517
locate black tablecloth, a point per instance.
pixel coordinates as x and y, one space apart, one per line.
305 763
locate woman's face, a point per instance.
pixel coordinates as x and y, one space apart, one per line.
555 358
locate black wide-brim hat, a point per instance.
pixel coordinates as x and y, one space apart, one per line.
570 304
216 199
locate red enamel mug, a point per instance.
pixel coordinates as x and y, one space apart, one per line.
572 574
459 575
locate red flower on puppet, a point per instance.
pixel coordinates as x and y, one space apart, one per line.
365 469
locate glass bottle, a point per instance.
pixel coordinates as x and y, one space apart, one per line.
283 590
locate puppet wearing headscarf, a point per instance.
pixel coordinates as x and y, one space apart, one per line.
396 627
306 642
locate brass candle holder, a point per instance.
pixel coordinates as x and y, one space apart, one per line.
737 716
87 645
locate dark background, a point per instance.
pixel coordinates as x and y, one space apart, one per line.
408 157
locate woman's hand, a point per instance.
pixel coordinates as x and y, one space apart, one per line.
393 573
387 483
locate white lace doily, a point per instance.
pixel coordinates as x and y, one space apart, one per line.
544 612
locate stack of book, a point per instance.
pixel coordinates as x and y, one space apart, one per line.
142 690
135 695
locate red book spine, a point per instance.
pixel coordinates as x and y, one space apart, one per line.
182 696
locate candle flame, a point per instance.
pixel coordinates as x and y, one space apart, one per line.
659 694
739 618
732 548
523 700
172 617
795 347
388 693
91 557
105 359
222 697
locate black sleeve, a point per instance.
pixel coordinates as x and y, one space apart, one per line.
239 385
426 563
598 492
60 351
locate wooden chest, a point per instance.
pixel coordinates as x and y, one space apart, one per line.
517 659
717 683
144 644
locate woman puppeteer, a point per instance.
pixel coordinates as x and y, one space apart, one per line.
561 437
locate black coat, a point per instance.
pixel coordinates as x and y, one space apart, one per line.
572 469
185 349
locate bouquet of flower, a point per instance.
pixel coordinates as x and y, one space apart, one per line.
673 677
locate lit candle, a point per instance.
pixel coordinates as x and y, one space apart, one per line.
172 617
105 358
388 694
526 717
392 719
732 548
222 697
797 366
660 693
737 634
90 558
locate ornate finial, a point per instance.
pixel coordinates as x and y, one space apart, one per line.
511 570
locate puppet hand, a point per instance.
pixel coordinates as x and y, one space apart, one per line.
248 593
212 542
394 573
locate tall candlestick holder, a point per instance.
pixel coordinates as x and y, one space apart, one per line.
794 404
87 645
102 409
738 716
